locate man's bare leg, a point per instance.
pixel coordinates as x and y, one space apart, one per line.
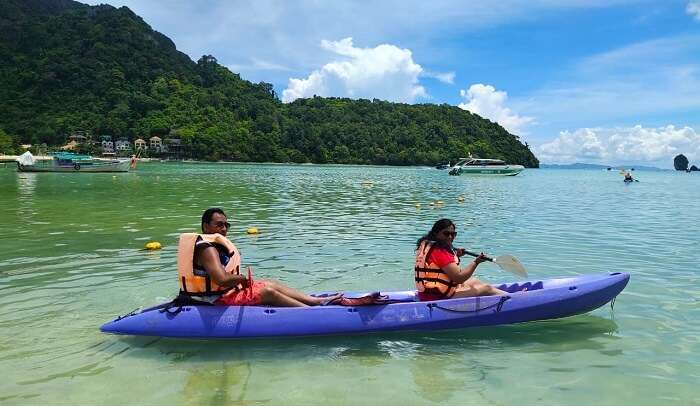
298 295
272 297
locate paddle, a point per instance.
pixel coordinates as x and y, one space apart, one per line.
506 262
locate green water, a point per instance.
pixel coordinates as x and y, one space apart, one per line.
70 260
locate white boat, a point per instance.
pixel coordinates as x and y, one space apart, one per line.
70 162
479 166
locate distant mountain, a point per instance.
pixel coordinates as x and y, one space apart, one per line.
595 166
67 66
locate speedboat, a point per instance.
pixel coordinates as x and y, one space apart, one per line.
478 166
71 162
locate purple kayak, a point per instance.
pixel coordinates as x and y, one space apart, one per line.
526 301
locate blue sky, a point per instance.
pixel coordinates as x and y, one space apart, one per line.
612 82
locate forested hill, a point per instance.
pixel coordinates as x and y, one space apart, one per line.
67 66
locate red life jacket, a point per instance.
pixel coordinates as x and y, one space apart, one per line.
430 279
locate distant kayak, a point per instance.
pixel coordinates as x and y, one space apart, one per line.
542 299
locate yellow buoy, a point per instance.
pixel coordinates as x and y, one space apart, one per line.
417 205
460 199
439 202
252 230
153 245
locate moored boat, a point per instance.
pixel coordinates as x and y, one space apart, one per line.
526 301
478 166
71 162
443 166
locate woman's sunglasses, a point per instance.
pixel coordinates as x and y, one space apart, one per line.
449 233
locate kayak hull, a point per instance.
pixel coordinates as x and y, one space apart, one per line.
543 299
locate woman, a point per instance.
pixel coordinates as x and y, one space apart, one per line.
438 275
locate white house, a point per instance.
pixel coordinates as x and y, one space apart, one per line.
155 143
139 144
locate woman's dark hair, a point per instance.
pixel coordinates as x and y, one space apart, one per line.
437 227
209 213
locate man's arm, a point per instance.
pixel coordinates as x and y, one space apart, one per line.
209 259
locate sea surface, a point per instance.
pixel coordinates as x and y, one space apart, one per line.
71 258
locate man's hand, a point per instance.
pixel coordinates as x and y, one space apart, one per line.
242 280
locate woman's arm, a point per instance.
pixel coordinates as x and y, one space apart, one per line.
209 259
458 275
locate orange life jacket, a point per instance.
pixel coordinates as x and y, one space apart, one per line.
194 282
429 277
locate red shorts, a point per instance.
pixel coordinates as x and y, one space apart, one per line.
250 296
427 297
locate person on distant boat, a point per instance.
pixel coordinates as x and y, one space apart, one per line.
628 177
437 271
209 270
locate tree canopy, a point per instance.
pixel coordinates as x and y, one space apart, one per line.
67 66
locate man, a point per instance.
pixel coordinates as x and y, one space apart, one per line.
209 270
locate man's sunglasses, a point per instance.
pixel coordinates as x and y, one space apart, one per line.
221 224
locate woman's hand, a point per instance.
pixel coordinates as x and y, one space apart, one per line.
481 258
460 252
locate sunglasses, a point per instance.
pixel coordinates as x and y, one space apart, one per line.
221 224
449 233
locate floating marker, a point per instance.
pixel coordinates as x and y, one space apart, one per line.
252 230
153 245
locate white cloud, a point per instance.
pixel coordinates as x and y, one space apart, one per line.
257 64
385 71
627 145
693 9
488 102
444 77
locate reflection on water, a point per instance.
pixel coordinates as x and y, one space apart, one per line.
440 364
26 184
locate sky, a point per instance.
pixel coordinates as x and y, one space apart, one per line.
614 82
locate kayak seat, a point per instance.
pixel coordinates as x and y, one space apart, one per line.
519 287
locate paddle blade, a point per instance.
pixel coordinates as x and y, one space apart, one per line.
511 264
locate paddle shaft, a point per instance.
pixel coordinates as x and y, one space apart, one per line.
476 255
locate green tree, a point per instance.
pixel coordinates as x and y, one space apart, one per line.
7 144
72 66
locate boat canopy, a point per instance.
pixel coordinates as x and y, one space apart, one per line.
26 159
71 156
479 162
